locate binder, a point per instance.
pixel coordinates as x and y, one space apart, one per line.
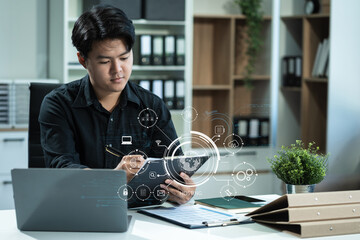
169 50
264 132
285 76
146 84
298 70
145 50
157 88
158 50
180 50
317 59
180 94
169 94
312 214
136 50
254 131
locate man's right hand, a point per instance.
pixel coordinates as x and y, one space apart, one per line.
131 164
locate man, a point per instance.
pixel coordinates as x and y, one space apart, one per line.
84 121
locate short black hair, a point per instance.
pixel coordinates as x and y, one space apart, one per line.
99 23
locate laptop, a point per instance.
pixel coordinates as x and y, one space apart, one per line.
74 200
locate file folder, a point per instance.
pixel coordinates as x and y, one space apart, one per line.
312 214
145 50
254 131
158 50
170 50
180 94
146 84
169 94
180 50
157 88
136 51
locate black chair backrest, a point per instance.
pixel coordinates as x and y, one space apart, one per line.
37 93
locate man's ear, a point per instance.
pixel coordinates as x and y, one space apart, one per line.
81 60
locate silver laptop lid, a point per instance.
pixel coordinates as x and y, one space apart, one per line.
69 200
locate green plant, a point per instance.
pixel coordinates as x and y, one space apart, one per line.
254 18
298 165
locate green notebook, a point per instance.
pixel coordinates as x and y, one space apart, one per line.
230 203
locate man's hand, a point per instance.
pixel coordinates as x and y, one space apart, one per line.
131 164
180 193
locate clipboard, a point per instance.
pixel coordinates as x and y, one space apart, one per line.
195 216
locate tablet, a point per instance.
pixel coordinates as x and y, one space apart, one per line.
144 189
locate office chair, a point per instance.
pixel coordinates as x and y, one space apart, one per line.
35 153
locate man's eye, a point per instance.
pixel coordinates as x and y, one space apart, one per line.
124 58
104 62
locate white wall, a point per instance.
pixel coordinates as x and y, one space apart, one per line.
23 39
344 88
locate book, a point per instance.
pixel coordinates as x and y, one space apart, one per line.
230 204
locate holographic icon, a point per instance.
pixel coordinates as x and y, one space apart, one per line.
147 118
244 174
189 114
233 143
152 175
219 129
143 192
125 192
160 194
228 192
126 140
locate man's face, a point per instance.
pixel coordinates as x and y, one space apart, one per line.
109 65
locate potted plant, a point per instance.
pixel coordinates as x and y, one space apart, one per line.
299 167
254 19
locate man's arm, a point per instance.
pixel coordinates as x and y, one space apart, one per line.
57 137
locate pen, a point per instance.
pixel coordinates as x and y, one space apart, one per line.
114 151
224 223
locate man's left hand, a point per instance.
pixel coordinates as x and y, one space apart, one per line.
180 193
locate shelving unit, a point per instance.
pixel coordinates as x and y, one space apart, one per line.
64 64
219 93
303 110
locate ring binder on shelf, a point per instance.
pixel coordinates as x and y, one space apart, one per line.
145 50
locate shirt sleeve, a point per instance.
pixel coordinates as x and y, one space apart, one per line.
57 137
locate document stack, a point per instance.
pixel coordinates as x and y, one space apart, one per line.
312 214
291 71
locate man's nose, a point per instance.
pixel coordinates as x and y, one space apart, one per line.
116 66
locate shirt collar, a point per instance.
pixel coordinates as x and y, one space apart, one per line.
86 95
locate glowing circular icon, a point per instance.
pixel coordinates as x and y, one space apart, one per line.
125 192
133 166
143 192
228 192
233 143
160 193
189 114
244 174
206 156
147 118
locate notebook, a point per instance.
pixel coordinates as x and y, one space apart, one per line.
69 200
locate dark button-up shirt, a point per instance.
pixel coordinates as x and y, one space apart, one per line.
75 128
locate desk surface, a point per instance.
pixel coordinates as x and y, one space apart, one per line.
144 227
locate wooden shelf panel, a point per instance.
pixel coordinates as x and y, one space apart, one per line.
227 16
254 102
254 77
211 87
314 114
316 79
209 105
263 60
211 51
291 89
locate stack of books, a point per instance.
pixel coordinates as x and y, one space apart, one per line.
312 214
